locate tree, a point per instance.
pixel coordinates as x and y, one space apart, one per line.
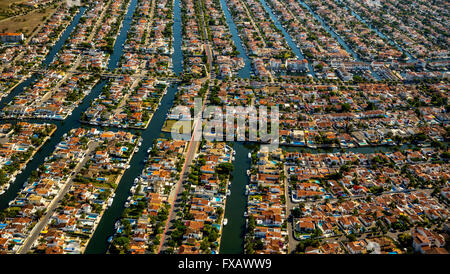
351 237
225 168
259 244
405 240
122 244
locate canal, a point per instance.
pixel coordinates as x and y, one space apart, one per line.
48 59
286 35
390 41
177 56
330 31
63 127
232 239
246 71
337 37
72 121
233 233
99 242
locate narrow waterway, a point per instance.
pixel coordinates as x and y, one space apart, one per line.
330 31
246 71
232 241
122 37
286 35
71 122
99 242
233 233
392 42
63 127
177 56
48 59
337 37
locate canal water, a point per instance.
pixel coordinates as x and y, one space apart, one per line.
392 42
246 71
48 59
121 38
286 35
99 242
330 31
337 37
177 56
233 233
71 122
50 145
232 239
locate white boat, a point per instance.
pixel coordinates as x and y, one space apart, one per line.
248 171
225 221
228 192
249 155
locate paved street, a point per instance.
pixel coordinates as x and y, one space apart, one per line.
28 243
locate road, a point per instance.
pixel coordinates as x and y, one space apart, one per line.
207 46
150 22
124 100
97 23
289 206
190 154
35 232
249 14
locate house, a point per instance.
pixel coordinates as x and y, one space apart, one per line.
11 37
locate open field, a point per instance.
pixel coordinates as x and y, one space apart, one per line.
4 6
26 23
168 124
